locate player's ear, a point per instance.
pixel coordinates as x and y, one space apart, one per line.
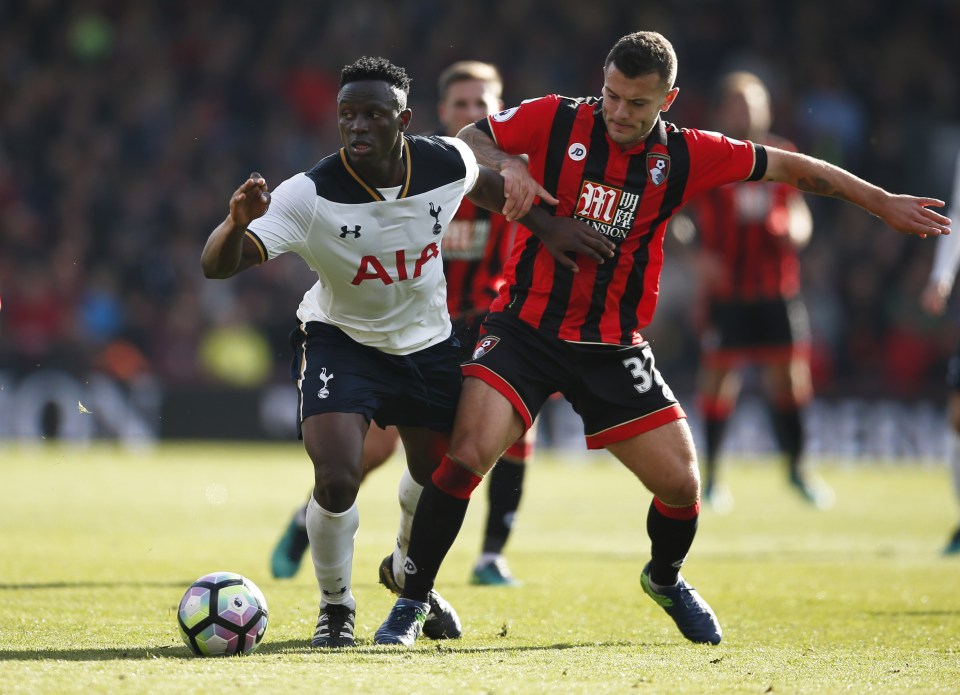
405 116
669 98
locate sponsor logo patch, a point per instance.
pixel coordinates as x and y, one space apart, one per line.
577 151
505 115
609 210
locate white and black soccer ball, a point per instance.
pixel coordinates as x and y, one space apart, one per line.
222 613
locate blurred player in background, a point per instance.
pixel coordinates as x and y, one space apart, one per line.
474 250
942 276
750 234
612 165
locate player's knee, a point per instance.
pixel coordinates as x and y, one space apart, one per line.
686 492
455 478
335 485
681 489
473 455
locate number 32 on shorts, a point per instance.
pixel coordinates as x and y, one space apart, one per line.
645 373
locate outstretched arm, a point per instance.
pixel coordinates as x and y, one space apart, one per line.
520 188
904 213
228 250
560 235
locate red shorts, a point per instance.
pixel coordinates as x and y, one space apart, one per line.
616 389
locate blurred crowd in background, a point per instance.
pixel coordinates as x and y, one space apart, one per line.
124 128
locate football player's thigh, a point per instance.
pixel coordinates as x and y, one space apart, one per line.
487 423
424 448
788 381
378 446
718 381
665 461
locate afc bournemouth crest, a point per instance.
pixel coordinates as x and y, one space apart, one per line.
658 167
485 345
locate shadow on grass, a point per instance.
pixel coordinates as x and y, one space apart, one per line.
295 647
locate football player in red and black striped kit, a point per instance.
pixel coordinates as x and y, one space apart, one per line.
475 249
564 324
750 234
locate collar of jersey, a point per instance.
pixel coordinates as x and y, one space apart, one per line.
372 190
657 136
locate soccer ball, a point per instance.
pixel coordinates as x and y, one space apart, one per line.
222 613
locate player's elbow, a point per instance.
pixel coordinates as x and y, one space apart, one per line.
213 269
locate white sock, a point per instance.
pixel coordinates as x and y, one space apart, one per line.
955 463
408 493
486 558
301 515
331 547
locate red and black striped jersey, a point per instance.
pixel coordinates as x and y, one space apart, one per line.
475 248
745 227
628 195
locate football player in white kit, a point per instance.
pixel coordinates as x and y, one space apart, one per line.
374 336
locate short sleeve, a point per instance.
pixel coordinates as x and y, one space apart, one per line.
469 162
716 160
524 129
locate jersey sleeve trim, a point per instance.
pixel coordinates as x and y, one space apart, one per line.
759 163
258 243
471 167
484 125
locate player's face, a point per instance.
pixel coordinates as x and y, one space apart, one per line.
631 105
371 121
468 101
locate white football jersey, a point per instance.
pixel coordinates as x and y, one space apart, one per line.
376 253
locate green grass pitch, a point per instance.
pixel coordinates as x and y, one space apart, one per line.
98 544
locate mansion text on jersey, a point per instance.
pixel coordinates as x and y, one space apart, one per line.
609 210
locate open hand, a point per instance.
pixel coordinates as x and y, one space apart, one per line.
910 215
